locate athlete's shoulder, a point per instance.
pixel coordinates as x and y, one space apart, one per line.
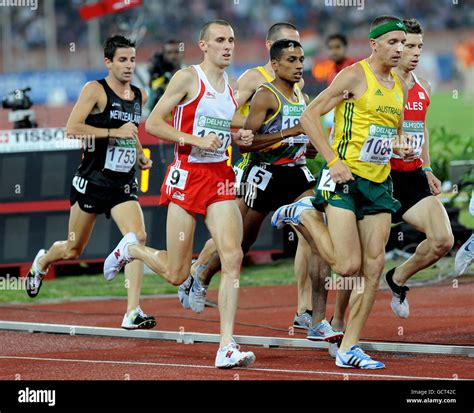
93 86
188 73
425 83
264 95
252 76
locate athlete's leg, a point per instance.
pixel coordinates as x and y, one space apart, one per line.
212 261
430 217
224 222
79 231
302 267
342 303
174 264
129 218
374 231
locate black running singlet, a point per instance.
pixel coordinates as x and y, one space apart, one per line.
111 162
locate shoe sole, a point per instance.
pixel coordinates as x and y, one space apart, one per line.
244 362
146 325
332 339
29 291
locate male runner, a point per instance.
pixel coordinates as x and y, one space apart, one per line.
414 185
277 172
106 115
355 187
203 105
307 266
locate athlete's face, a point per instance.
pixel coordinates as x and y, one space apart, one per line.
388 47
123 64
337 50
285 33
290 66
412 51
219 45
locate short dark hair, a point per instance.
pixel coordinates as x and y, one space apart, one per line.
274 31
413 26
383 19
205 28
276 51
173 41
337 36
115 42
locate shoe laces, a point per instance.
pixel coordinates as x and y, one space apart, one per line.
403 293
141 313
360 353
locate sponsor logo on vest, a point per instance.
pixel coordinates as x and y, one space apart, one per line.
378 93
421 95
179 196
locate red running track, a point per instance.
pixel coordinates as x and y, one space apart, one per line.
439 314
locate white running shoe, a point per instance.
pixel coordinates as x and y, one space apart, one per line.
119 257
399 301
324 332
333 349
464 256
34 278
138 320
183 291
231 356
197 295
291 213
356 358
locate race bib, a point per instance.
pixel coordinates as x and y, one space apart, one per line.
326 183
416 130
308 174
259 177
377 147
121 155
220 127
177 178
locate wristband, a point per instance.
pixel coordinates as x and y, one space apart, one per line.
332 162
428 169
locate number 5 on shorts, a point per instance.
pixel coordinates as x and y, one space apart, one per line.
177 178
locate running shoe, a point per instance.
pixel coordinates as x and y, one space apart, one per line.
291 213
303 321
230 356
138 320
399 302
324 332
183 291
197 295
464 256
34 278
356 358
119 257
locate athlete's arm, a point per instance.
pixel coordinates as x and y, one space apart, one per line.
342 88
177 91
76 127
433 181
264 104
247 84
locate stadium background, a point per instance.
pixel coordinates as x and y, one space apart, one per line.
54 51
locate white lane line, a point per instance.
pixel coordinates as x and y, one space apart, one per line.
194 366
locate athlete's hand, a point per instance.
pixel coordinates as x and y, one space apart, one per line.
311 151
210 142
403 147
126 131
433 182
144 162
243 137
340 173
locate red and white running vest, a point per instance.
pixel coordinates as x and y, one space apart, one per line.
414 117
209 111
